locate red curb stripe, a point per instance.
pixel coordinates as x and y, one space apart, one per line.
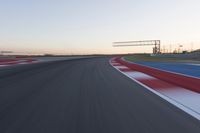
116 64
15 62
7 60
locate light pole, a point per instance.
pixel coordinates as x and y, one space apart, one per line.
180 46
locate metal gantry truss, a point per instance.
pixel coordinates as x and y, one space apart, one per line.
156 43
5 52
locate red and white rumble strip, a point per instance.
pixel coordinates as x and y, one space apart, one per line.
16 62
184 99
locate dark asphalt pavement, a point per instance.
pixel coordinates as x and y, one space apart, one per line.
83 96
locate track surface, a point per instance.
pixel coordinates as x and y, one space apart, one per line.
83 96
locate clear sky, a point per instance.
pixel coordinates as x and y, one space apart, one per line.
90 26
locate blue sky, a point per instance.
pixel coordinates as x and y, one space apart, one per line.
90 26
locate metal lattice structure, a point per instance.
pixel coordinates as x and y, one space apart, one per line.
156 43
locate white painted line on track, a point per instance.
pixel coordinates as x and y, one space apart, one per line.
139 75
184 96
121 67
24 62
3 65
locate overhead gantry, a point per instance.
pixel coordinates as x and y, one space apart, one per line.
156 43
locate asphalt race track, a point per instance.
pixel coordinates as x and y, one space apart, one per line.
83 96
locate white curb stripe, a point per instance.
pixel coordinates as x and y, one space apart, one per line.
121 67
139 75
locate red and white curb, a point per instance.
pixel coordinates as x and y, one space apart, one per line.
182 98
17 62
